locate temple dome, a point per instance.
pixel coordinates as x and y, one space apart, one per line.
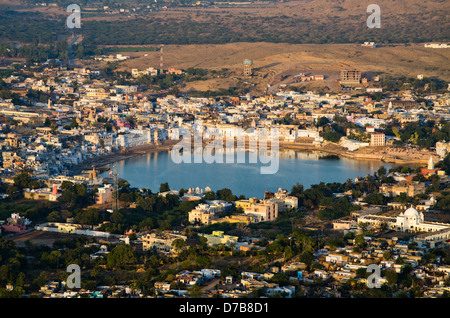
411 212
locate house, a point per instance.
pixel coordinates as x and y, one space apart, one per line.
352 144
377 139
103 251
16 223
337 258
344 225
203 214
264 210
286 291
411 188
442 148
293 267
217 238
162 286
104 194
45 194
161 242
50 287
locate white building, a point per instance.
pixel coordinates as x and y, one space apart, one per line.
375 122
442 148
410 221
352 144
437 45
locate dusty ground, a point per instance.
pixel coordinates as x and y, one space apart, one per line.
276 63
38 238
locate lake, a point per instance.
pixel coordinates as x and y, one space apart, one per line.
150 170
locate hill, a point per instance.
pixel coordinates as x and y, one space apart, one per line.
298 21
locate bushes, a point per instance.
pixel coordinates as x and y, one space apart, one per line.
222 28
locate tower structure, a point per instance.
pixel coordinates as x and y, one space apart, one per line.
431 163
161 57
115 201
248 67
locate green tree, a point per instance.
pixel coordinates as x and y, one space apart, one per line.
210 195
178 244
195 291
121 256
164 187
89 217
381 171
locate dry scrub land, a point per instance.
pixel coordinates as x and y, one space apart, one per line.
276 63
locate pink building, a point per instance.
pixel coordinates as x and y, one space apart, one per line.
123 123
16 224
104 195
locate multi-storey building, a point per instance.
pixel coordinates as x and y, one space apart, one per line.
161 242
377 139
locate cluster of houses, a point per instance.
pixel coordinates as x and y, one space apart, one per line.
92 117
89 117
251 211
333 265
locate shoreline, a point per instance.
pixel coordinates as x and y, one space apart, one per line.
102 162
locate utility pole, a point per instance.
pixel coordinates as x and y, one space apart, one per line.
161 54
115 201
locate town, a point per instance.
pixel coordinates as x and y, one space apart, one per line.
63 127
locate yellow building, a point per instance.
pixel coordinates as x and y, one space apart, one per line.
242 218
263 210
217 237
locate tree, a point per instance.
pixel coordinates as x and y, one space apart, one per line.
375 198
443 203
53 216
363 226
22 180
47 122
360 241
322 121
230 270
117 218
164 187
381 171
307 258
195 291
297 189
178 244
123 184
121 256
73 123
89 217
226 194
210 195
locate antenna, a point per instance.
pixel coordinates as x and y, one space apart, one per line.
161 58
115 202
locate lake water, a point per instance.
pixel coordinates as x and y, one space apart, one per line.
150 170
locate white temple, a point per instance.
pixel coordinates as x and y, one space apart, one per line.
411 221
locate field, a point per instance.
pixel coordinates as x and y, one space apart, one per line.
39 238
276 63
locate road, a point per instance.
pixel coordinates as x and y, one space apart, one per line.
75 39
